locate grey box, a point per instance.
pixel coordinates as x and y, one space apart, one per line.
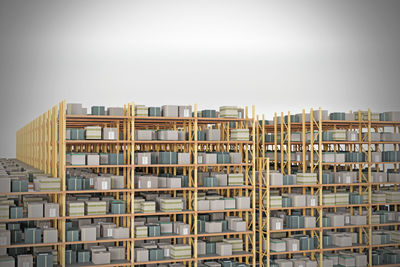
101 257
5 185
236 157
92 159
88 232
35 209
117 253
217 204
143 158
115 111
50 235
117 182
213 227
141 255
51 210
183 158
242 202
213 134
224 249
170 111
110 133
144 135
185 111
25 260
222 179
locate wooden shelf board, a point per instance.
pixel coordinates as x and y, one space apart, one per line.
102 240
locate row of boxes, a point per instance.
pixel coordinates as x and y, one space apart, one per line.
215 202
77 109
76 183
79 159
92 133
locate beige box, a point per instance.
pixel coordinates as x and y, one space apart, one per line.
117 253
120 232
203 204
217 204
117 182
92 159
239 226
102 183
213 227
183 158
25 260
5 237
276 223
292 244
310 222
242 202
141 255
201 247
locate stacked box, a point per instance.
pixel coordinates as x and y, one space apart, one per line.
75 208
144 135
240 135
183 158
4 212
213 227
102 183
147 182
50 235
120 232
277 245
306 178
25 260
223 249
117 206
110 133
173 182
242 202
83 256
275 178
170 111
378 198
148 207
141 231
141 255
20 185
228 112
342 198
45 184
156 254
95 207
275 201
236 243
115 159
143 158
181 251
16 212
213 134
93 132
141 111
101 257
276 223
338 135
235 179
167 158
88 232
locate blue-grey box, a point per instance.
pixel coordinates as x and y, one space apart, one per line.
68 225
98 110
154 111
74 184
286 202
85 184
16 251
201 226
377 259
115 159
33 235
223 158
13 226
16 236
204 217
337 116
327 178
288 179
295 221
156 254
211 248
326 222
209 113
16 212
117 206
167 157
83 256
224 225
154 230
77 134
72 235
327 136
44 259
20 185
327 240
210 181
184 180
70 256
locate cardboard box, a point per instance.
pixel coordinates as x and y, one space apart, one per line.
217 204
213 134
185 111
76 208
50 235
102 183
203 204
144 135
16 212
93 132
213 227
110 133
120 232
115 111
183 158
92 159
44 259
5 237
242 202
277 245
72 235
238 226
223 249
78 159
143 158
235 179
33 235
83 256
276 223
147 182
7 261
5 185
51 210
181 251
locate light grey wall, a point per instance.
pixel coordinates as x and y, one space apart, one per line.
279 55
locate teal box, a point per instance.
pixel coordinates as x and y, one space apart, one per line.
211 248
377 259
184 180
75 247
115 159
156 254
154 112
74 184
306 243
201 226
16 251
68 225
13 226
210 181
327 240
209 113
204 217
286 202
288 179
391 258
19 185
167 158
269 138
227 263
16 236
83 256
327 178
293 118
201 136
44 259
98 110
72 235
77 134
223 158
327 136
384 116
70 256
85 184
117 207
326 222
154 230
295 222
33 235
337 116
16 212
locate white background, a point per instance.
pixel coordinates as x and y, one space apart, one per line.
278 55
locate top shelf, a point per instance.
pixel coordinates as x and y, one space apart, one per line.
341 123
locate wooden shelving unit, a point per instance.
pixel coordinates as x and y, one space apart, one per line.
43 145
283 145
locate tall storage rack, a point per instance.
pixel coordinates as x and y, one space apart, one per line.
43 145
281 150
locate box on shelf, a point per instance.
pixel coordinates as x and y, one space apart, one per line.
170 111
50 235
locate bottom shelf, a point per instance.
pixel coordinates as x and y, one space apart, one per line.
113 263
